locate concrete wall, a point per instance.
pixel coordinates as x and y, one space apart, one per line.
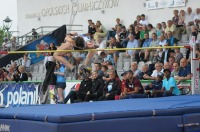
36 13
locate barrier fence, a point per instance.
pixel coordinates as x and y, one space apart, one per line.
14 94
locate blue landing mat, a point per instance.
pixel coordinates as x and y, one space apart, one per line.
80 112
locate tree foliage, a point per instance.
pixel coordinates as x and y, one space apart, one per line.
3 34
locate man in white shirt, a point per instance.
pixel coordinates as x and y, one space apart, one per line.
143 21
197 17
189 21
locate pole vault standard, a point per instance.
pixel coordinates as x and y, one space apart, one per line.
194 67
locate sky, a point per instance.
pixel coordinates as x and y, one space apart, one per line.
9 8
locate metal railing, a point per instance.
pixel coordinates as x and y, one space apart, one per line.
45 30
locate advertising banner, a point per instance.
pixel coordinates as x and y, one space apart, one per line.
158 4
56 37
18 94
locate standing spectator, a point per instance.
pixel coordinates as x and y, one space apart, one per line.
6 44
34 34
26 62
189 21
112 87
49 56
159 30
143 21
91 28
60 80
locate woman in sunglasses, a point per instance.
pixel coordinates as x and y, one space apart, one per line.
74 42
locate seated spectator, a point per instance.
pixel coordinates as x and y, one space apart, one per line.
171 40
112 87
26 62
21 76
135 70
159 30
85 86
144 73
166 54
1 74
125 41
97 67
170 28
158 69
189 21
169 87
104 68
175 70
133 87
167 66
143 21
133 43
178 55
153 88
162 41
122 35
181 20
144 53
100 32
137 33
107 57
123 81
111 33
151 29
158 55
71 59
164 26
171 61
10 75
96 90
137 21
142 33
197 17
184 72
60 81
154 43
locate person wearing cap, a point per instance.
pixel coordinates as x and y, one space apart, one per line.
133 87
153 89
169 87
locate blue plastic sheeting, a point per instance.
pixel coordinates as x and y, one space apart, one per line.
167 106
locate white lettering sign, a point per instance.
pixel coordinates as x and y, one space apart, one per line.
4 128
74 8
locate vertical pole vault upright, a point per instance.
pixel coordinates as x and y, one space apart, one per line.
194 67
